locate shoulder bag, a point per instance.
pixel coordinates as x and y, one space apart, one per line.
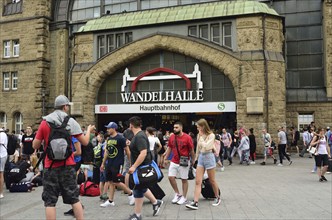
184 160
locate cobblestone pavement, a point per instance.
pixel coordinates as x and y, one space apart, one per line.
248 192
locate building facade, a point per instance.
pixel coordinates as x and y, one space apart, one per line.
261 64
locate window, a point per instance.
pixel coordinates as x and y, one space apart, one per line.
204 32
10 81
14 81
18 122
128 37
16 48
192 31
110 42
215 33
6 80
3 120
101 46
6 49
304 120
119 40
219 33
227 35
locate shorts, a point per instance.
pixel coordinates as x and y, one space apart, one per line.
60 180
86 166
175 169
3 163
103 176
206 160
268 151
322 159
139 193
111 173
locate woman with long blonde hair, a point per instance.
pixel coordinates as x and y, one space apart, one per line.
205 161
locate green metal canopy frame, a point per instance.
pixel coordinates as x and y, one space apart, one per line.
176 14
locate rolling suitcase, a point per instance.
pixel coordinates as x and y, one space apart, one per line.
207 191
157 191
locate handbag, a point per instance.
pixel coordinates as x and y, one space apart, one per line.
312 150
145 176
184 160
191 173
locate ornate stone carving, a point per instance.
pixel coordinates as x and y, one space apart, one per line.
250 39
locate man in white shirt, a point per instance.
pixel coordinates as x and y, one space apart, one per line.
3 158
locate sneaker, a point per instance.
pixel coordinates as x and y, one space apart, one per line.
107 204
222 169
230 164
313 171
176 198
300 155
323 177
134 217
156 207
252 162
328 172
290 163
1 196
263 163
182 201
192 205
280 165
216 201
131 199
275 161
69 213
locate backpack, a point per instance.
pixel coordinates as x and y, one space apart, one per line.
12 143
59 142
21 187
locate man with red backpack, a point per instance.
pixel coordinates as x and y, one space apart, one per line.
59 172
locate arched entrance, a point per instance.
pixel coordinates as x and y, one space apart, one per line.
219 59
160 86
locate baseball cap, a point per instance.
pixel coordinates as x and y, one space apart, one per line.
61 100
328 128
112 125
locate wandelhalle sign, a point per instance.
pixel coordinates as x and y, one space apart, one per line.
187 95
181 101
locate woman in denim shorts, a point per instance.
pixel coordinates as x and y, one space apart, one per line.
206 161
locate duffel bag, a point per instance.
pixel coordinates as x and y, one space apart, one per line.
89 188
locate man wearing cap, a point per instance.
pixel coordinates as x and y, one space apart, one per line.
113 160
61 177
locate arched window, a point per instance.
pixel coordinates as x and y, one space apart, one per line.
18 122
3 120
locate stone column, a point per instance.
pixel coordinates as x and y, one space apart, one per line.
327 36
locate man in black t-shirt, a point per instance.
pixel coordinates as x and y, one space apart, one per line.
139 147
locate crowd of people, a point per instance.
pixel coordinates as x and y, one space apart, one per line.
118 153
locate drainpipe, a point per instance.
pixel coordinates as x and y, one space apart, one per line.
266 78
71 69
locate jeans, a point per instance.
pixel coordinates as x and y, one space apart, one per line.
304 150
282 152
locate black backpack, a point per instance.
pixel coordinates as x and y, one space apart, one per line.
59 142
12 143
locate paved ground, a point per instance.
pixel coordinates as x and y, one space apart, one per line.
248 192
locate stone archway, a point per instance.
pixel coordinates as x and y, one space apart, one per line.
91 80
